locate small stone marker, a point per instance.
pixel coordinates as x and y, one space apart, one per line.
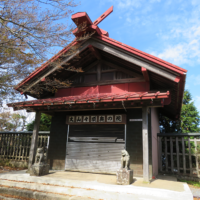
125 174
40 166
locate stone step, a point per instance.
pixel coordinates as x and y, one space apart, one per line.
23 193
68 190
7 198
98 191
52 185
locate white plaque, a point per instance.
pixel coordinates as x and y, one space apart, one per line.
78 119
118 118
102 118
109 118
86 119
93 118
71 119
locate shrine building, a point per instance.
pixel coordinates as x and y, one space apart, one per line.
112 104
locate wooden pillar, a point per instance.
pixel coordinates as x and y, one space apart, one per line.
145 143
34 139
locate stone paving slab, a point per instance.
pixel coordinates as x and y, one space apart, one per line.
195 191
28 194
7 198
98 190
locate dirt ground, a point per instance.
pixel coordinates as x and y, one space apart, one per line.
7 169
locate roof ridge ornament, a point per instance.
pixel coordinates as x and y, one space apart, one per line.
103 16
83 21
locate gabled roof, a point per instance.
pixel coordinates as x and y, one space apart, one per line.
162 74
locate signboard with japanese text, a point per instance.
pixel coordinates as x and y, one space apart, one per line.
96 119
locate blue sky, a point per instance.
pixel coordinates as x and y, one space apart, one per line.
165 28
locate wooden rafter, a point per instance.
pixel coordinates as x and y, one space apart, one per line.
56 67
95 52
145 74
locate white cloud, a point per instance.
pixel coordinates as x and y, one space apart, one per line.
176 54
185 50
130 4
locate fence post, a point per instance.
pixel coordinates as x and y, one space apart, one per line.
34 139
171 156
183 153
160 153
166 156
196 153
177 155
190 160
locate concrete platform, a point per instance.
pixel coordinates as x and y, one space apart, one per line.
97 186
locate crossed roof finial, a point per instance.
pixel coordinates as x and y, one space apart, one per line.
82 17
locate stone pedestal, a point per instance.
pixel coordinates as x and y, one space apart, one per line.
124 177
39 169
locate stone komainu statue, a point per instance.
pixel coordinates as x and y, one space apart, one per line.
41 155
125 160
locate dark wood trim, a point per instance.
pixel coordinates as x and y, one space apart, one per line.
99 72
95 52
51 111
177 134
82 47
109 70
85 69
128 80
127 71
132 59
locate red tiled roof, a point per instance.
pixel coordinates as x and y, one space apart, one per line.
102 35
106 97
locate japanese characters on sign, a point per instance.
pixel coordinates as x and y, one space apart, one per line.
84 119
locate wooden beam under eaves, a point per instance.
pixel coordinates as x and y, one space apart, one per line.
133 59
127 71
85 69
95 52
145 74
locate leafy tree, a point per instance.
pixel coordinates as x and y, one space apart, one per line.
189 120
45 123
12 121
30 32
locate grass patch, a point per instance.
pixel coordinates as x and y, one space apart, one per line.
193 183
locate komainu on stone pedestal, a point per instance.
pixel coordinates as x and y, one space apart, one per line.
40 166
125 174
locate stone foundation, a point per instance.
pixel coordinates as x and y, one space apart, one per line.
39 169
124 177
